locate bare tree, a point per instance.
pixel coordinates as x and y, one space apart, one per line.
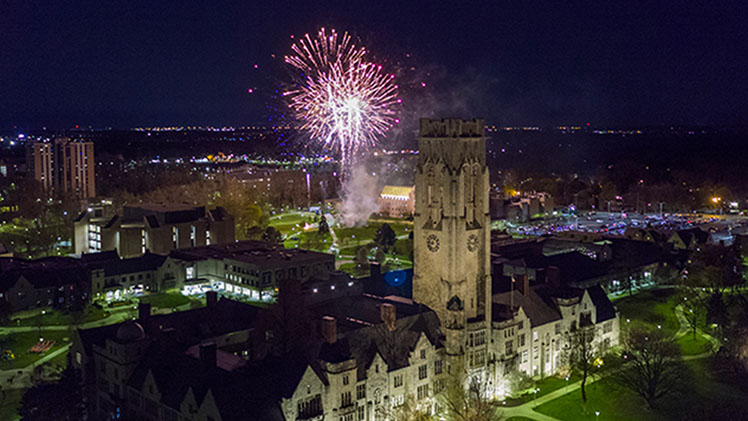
693 309
653 367
409 410
468 398
582 353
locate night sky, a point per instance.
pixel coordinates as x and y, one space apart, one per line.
131 63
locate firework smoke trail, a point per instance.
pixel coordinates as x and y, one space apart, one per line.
341 99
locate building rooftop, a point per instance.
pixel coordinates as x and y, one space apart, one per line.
164 207
397 192
362 334
42 273
252 252
190 326
147 262
259 392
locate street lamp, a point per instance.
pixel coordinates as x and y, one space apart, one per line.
597 414
41 322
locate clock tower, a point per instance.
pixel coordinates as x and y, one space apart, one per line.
452 271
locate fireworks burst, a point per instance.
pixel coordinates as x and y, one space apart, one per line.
342 100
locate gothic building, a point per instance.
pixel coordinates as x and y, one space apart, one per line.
490 328
366 355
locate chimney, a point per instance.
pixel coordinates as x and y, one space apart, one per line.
208 354
144 312
523 283
330 329
553 275
211 298
388 314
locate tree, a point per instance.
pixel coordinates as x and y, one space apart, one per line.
380 257
714 266
409 410
666 275
653 368
467 398
323 228
693 308
272 235
362 260
54 401
255 232
520 383
582 354
385 237
716 310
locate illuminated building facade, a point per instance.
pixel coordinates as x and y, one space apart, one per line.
63 166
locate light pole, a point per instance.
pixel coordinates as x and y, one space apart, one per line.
41 322
597 414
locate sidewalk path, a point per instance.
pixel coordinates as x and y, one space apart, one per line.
685 330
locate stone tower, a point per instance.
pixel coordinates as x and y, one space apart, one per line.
452 272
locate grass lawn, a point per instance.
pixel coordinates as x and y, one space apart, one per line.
400 264
547 385
649 309
10 403
519 419
309 240
21 343
60 360
165 299
56 317
348 251
701 393
356 236
291 223
691 346
351 269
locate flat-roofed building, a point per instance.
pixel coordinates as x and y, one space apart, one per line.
397 201
158 228
251 269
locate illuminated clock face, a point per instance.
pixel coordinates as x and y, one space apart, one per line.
472 242
432 242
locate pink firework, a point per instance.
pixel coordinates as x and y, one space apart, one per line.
342 100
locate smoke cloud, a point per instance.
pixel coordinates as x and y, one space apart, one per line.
360 192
